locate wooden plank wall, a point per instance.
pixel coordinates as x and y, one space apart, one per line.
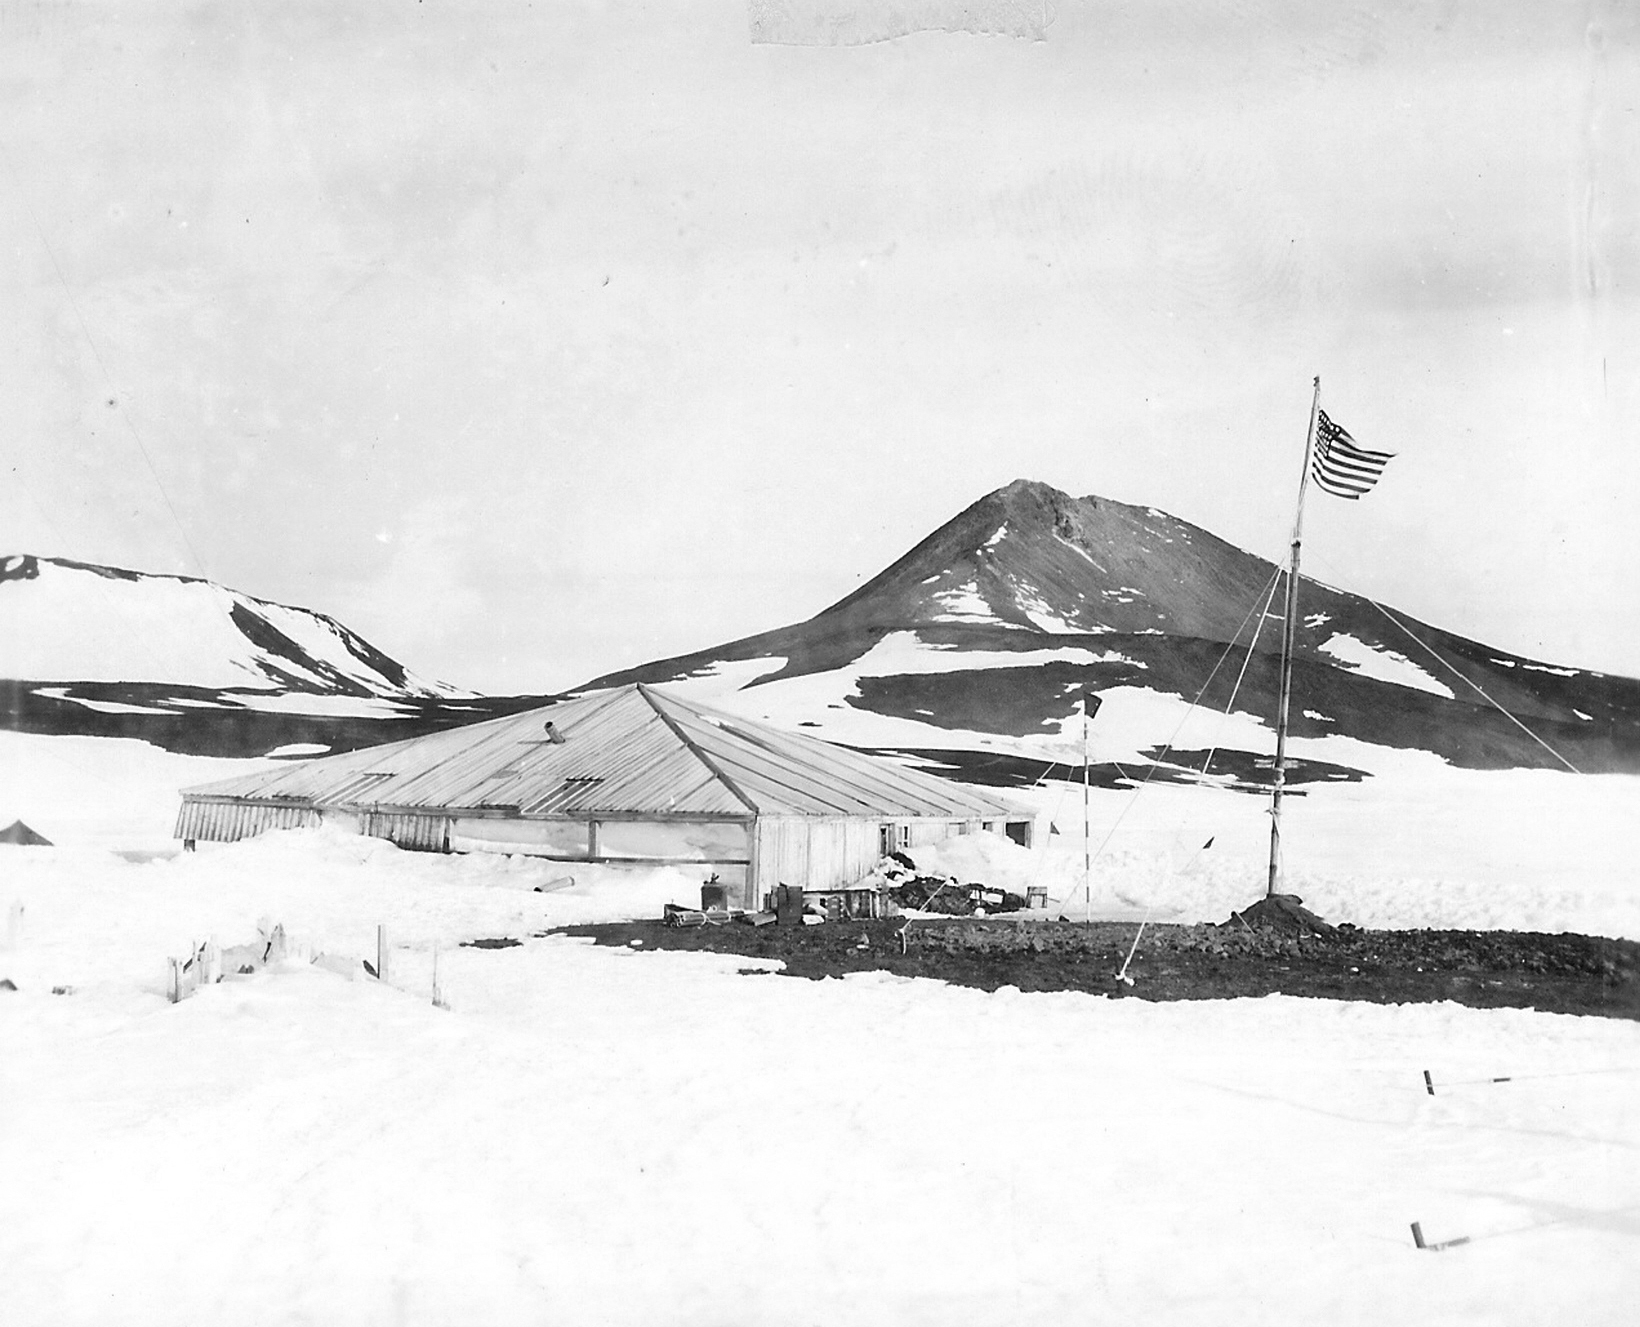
416 831
228 822
932 831
813 852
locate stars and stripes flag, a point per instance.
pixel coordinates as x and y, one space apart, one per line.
1342 466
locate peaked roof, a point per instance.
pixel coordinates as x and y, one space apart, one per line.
630 750
19 833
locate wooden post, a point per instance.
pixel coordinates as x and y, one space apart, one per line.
438 995
176 980
1288 639
381 952
1087 860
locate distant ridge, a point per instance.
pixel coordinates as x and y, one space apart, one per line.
969 653
77 621
193 666
995 622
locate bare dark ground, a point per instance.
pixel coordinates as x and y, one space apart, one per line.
1568 974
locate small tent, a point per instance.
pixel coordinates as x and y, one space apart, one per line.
19 833
634 774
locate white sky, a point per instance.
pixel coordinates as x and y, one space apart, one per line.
536 342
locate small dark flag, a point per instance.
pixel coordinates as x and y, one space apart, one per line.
1207 845
1341 465
1091 700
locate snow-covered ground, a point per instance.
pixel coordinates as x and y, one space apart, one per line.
108 792
1428 846
596 1136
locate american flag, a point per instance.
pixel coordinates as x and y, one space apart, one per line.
1342 466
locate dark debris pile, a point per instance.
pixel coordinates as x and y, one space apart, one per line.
943 894
1568 973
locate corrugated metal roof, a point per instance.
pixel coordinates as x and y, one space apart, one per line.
634 750
788 773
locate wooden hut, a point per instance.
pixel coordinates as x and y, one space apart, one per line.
628 775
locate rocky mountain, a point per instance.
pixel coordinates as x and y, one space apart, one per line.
972 652
975 647
194 666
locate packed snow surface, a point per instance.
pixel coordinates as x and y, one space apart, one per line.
106 792
612 1136
1529 850
603 1136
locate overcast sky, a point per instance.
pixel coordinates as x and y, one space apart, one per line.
533 342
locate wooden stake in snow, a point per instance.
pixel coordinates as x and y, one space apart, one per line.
438 995
1087 858
1429 1083
1418 1239
381 952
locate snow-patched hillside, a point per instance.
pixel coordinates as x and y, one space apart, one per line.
987 633
66 621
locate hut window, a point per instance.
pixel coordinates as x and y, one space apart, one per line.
893 838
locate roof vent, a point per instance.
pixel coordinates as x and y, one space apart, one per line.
553 735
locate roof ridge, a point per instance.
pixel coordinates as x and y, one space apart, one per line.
694 749
804 749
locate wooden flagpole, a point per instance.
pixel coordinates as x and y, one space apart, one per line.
1289 636
1087 860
